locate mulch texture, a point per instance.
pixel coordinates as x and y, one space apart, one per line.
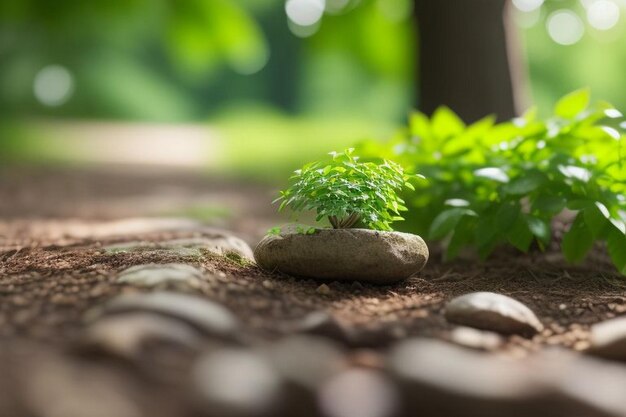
53 270
46 290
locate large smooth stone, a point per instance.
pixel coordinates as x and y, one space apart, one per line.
205 315
236 383
494 312
359 392
127 334
608 339
344 254
440 379
304 364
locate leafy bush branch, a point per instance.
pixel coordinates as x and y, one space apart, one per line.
490 184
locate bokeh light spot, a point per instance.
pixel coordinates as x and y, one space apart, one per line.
303 31
305 12
53 85
527 5
565 27
528 19
603 14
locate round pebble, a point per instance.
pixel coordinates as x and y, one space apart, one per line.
494 312
154 275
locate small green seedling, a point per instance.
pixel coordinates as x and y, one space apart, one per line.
349 192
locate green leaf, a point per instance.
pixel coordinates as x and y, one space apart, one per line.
539 228
596 217
619 225
577 241
446 123
616 245
485 229
419 125
463 234
580 204
572 104
611 132
487 247
506 216
480 127
526 184
446 221
549 204
520 235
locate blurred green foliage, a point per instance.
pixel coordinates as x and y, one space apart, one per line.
597 60
183 60
267 145
350 75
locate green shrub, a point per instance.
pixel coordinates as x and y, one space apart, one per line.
491 184
349 192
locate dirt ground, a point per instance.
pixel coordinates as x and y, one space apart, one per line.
54 269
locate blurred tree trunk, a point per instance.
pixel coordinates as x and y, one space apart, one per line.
469 58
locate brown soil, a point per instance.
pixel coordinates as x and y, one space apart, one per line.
45 292
49 277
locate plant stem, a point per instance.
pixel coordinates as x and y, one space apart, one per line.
344 223
333 221
351 221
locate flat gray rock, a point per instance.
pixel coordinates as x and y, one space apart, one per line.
236 383
446 380
218 243
475 339
440 379
608 339
160 275
344 255
305 361
589 386
359 392
223 244
126 335
494 312
207 316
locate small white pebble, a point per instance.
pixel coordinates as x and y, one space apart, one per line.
268 284
562 306
323 289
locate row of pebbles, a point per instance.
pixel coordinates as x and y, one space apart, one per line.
312 372
206 364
